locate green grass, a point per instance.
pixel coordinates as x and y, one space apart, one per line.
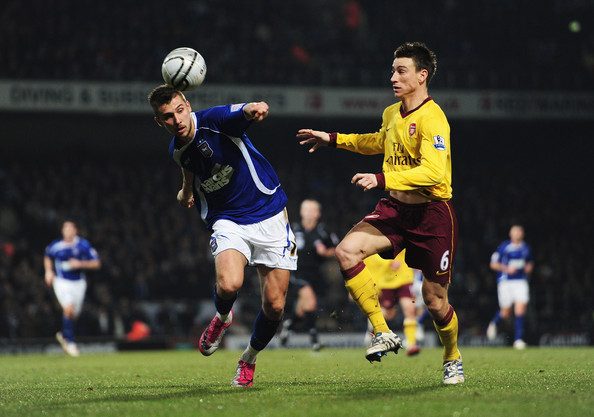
333 382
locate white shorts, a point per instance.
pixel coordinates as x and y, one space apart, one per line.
270 242
513 291
70 293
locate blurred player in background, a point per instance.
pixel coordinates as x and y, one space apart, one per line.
239 197
513 262
418 215
421 309
394 279
315 245
65 263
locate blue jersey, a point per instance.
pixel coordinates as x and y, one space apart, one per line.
515 256
61 252
232 180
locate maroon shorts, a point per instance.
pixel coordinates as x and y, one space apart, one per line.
428 232
390 296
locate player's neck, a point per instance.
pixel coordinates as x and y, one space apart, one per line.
414 100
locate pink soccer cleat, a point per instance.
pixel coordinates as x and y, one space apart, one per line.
244 376
211 337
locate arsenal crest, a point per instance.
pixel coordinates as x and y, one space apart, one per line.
412 128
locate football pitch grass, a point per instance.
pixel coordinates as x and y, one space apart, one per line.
333 382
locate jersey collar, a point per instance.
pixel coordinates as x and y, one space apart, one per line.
404 114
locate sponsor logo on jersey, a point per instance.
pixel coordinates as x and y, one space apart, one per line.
221 175
439 143
402 160
412 129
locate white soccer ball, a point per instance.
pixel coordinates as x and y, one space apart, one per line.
184 69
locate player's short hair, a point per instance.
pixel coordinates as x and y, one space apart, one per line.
423 57
163 94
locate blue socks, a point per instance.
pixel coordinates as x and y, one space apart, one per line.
223 306
519 328
68 329
497 318
264 331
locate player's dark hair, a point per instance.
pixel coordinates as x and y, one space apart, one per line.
69 220
423 57
162 94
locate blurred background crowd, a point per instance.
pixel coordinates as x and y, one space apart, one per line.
111 173
483 44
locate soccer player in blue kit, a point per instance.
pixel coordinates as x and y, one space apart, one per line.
65 262
240 199
513 262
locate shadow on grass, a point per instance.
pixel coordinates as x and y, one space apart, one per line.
150 393
137 393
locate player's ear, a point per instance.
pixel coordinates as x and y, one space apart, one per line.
189 105
422 76
157 121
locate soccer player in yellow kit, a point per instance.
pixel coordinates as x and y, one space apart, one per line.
394 279
417 215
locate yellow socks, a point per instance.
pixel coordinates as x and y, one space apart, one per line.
448 334
360 284
410 331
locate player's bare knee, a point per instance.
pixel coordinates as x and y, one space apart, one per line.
227 288
348 256
437 306
274 309
69 312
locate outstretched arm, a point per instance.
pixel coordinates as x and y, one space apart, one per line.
317 138
85 264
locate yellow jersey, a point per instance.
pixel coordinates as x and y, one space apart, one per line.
385 276
416 148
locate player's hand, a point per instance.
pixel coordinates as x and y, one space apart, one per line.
49 278
510 270
256 111
315 137
185 199
74 263
365 181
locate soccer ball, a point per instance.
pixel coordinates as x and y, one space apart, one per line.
184 69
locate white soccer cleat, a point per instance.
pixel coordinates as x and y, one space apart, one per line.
69 348
452 372
491 331
519 344
381 344
63 342
72 350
